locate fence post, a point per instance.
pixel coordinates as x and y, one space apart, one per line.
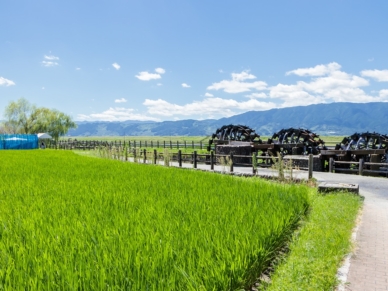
170 144
134 143
231 163
155 156
331 163
310 166
126 153
211 160
195 159
254 163
192 144
185 145
134 155
164 144
144 156
360 166
140 144
152 144
200 144
177 145
180 158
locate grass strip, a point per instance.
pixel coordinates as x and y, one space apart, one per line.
317 250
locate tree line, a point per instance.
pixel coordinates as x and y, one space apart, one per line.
25 118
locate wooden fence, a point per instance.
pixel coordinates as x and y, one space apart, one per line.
359 167
227 161
92 144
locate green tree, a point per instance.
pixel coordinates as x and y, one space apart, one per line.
23 117
19 116
55 122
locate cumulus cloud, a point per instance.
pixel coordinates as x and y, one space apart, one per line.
384 93
6 82
325 83
379 75
116 66
319 70
208 107
116 114
332 85
121 100
160 70
184 85
237 84
208 95
146 76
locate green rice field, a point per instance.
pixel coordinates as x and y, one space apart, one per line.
70 222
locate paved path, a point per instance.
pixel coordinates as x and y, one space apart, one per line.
369 263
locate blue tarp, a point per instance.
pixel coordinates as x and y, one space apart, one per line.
18 141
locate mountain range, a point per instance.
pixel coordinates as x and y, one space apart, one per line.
340 118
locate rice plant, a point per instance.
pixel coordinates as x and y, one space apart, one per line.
70 222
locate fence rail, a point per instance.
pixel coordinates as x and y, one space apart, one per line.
91 144
359 167
228 161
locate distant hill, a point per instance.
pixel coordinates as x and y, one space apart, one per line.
325 119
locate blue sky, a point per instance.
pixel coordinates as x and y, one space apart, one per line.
170 60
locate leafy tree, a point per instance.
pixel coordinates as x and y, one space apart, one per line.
54 122
22 117
19 116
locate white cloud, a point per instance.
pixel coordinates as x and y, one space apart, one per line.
208 107
145 76
326 83
51 58
319 70
208 95
116 66
6 82
184 85
116 114
383 94
242 76
122 100
160 70
379 75
338 86
236 85
50 61
257 95
49 64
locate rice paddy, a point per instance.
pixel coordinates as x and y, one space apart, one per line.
70 222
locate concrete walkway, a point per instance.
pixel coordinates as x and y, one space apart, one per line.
369 262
